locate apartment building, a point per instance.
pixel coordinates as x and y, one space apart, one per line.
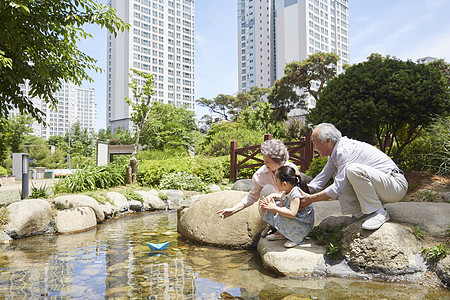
273 33
75 104
160 42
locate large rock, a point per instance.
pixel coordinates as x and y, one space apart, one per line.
243 185
174 198
301 260
118 200
443 270
392 249
201 223
28 217
152 201
73 201
431 217
325 209
75 219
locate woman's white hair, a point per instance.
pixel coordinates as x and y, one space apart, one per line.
326 131
276 150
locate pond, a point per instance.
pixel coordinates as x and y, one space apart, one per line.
113 261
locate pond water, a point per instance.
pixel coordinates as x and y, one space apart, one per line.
113 261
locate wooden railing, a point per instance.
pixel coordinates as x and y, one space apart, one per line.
300 153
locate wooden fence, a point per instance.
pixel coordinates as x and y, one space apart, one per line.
300 153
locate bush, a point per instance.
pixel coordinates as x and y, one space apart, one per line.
161 154
316 166
182 181
216 141
430 151
208 169
3 171
132 195
91 178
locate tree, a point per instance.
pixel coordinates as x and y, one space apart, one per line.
442 66
38 44
382 100
291 90
318 67
258 117
169 127
228 107
16 129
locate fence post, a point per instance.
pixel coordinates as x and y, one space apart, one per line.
309 149
233 161
267 136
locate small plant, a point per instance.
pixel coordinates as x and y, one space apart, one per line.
163 196
132 195
41 192
418 232
99 199
427 196
60 206
331 237
182 181
436 252
4 217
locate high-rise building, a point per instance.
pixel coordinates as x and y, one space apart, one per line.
75 104
160 42
273 33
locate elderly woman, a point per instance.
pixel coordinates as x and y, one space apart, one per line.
275 155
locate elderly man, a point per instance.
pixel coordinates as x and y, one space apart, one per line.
364 177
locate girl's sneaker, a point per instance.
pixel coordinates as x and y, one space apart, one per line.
275 236
289 244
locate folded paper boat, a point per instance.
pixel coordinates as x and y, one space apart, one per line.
158 247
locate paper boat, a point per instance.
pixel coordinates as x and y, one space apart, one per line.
158 247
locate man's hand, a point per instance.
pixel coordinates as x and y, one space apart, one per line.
305 200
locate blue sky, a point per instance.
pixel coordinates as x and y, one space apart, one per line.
407 29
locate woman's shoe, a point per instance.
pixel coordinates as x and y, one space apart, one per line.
275 236
289 244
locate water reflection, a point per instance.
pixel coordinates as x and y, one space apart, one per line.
113 261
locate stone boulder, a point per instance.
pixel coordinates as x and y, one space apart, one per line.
174 198
392 249
190 200
75 219
446 197
28 217
73 201
443 270
201 223
152 201
325 209
135 205
243 185
118 200
301 260
431 217
212 188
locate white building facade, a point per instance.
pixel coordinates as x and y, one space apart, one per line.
75 104
273 33
160 42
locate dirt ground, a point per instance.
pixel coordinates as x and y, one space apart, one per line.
426 187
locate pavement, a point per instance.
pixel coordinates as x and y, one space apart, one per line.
10 191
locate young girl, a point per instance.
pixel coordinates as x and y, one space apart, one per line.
291 223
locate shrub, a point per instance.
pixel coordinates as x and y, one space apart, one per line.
331 237
436 252
161 154
216 141
430 151
316 166
91 178
3 171
182 181
208 169
41 192
132 195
